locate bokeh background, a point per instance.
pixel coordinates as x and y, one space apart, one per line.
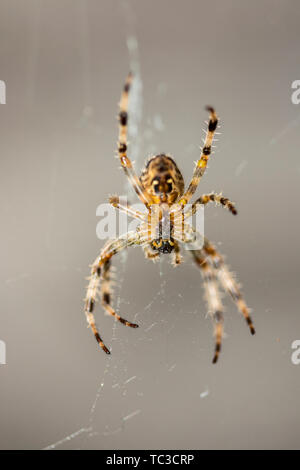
64 63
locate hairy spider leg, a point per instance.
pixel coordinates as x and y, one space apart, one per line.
115 202
228 282
202 162
100 274
150 253
212 295
212 197
122 146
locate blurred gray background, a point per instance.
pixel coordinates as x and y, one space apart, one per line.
64 63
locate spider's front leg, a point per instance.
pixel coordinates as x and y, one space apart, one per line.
228 282
106 295
226 279
150 253
212 296
100 274
177 258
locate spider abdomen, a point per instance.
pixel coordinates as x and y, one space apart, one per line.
162 179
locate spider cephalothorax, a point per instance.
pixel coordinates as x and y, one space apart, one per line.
163 228
163 246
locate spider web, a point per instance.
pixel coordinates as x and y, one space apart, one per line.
120 408
115 381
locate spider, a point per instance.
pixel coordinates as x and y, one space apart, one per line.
161 185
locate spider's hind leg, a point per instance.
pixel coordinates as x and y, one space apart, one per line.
212 197
125 161
116 202
204 157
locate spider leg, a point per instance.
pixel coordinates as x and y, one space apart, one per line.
215 306
177 258
100 272
228 282
90 300
122 146
115 202
150 253
212 197
202 162
106 295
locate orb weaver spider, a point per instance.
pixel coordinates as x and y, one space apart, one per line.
161 185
